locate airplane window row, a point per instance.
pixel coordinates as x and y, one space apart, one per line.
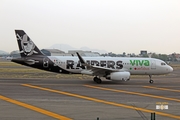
125 63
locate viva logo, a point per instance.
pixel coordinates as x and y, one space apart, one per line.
140 62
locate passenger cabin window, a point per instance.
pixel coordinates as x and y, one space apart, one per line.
163 63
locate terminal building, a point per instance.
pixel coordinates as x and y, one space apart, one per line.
53 52
57 52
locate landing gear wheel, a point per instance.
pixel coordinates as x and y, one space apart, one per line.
151 81
97 80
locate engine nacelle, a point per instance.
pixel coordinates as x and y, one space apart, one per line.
119 76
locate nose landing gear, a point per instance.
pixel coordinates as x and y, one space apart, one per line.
151 81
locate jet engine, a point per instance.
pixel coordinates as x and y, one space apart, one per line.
119 76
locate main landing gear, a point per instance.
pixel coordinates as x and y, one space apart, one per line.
97 80
151 81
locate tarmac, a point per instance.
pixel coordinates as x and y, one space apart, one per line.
82 99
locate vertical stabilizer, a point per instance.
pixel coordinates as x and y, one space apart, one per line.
26 45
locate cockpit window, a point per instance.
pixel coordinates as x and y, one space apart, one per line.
163 63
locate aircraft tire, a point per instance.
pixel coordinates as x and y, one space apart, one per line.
97 80
151 81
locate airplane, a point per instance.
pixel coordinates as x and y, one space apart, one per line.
111 68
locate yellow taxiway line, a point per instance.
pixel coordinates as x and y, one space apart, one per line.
134 93
42 111
102 101
158 88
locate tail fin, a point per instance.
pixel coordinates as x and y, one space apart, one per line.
26 45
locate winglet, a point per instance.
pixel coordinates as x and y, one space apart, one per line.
80 58
82 61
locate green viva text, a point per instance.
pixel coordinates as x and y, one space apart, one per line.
140 62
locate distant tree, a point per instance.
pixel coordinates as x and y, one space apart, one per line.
163 57
154 55
124 54
145 55
173 57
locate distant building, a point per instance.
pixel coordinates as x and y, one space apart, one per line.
177 56
57 52
15 54
84 53
143 52
53 52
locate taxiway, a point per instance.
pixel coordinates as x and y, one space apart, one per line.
82 99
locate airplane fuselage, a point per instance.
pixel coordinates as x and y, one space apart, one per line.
71 64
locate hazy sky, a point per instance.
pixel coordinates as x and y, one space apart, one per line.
113 25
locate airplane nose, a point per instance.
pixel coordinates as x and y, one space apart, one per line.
170 69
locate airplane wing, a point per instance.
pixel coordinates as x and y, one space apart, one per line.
102 71
96 70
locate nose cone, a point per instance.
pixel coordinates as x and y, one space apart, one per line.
170 69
